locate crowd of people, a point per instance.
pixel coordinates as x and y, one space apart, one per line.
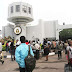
46 46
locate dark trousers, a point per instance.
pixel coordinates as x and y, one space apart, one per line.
65 51
12 54
23 70
59 54
37 54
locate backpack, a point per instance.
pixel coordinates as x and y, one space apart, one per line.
30 61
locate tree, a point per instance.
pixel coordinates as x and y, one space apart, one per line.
65 34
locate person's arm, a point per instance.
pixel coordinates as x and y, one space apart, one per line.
17 55
33 47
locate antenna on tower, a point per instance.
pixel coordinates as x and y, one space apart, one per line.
63 23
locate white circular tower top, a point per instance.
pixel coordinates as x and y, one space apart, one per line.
19 12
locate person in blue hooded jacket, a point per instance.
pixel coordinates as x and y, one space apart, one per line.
21 53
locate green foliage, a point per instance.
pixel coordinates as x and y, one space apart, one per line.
41 46
66 33
3 48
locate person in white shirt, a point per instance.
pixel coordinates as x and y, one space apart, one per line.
9 44
1 52
38 48
33 46
17 43
49 42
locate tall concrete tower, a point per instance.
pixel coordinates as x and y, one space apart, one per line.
20 13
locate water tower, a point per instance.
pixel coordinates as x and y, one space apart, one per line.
20 13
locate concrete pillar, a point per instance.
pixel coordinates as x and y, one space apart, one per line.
57 30
42 35
57 35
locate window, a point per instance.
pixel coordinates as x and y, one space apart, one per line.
11 9
24 9
17 8
29 10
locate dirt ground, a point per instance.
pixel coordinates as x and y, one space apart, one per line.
52 65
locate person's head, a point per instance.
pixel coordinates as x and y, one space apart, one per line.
38 39
59 42
44 39
33 43
26 40
29 41
8 41
56 40
66 41
48 43
22 39
37 42
17 40
11 40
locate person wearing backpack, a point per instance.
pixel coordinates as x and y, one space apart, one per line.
60 47
21 53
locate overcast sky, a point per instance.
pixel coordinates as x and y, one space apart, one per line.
47 10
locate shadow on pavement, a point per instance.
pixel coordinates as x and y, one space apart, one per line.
16 69
48 68
53 61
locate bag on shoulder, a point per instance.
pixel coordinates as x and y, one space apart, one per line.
30 61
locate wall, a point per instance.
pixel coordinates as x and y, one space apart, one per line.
50 29
65 26
45 29
33 32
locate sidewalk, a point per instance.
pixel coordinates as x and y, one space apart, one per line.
53 65
8 55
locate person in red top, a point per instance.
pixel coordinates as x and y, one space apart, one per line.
27 42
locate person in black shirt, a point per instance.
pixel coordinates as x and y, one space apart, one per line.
12 50
46 51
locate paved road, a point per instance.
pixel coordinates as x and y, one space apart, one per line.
53 65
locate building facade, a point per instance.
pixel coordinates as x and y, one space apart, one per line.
44 29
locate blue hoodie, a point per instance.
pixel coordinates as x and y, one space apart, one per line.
21 53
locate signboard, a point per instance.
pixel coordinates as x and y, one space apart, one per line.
17 30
